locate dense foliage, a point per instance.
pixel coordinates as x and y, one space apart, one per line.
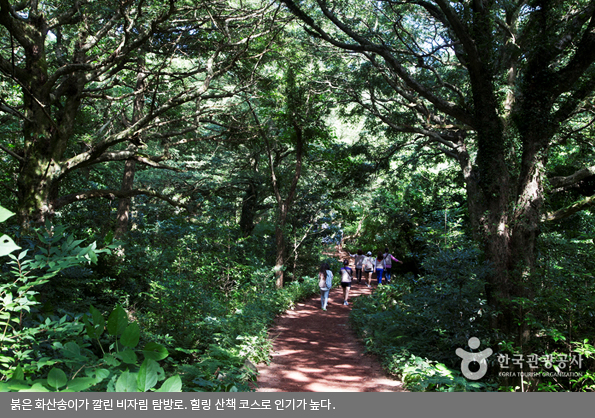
415 325
205 321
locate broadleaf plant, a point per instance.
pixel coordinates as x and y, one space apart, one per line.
77 353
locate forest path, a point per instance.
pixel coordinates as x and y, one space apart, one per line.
316 351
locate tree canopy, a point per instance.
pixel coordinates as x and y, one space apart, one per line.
492 85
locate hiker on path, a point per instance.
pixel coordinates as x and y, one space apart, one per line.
388 263
325 282
369 267
379 266
359 263
346 278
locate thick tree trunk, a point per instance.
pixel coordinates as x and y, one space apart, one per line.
505 215
38 171
490 193
285 205
46 128
37 188
509 247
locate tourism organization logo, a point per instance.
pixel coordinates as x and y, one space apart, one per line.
469 358
563 365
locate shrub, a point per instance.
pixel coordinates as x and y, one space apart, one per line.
60 354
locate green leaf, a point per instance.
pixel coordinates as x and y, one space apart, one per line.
173 384
111 360
18 372
98 374
155 351
79 384
109 238
98 321
7 245
131 335
91 332
117 321
148 375
46 361
11 386
72 351
5 214
57 378
37 387
127 356
127 382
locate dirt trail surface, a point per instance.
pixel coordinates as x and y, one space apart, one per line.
316 351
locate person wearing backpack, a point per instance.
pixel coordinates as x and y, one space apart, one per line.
359 262
368 267
346 277
325 282
388 259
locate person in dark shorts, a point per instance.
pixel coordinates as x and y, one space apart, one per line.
346 277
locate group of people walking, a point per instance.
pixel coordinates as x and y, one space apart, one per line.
368 264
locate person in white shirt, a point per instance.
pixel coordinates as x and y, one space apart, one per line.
379 266
325 277
368 266
359 263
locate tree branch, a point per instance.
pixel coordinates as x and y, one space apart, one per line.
115 194
151 161
12 111
558 183
364 45
570 210
12 153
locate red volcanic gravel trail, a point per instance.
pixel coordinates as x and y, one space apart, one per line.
316 351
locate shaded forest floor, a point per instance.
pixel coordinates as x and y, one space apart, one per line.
316 351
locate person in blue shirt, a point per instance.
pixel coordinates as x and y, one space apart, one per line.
346 277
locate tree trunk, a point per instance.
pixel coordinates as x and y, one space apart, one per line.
249 204
280 245
505 215
284 204
45 134
36 188
39 170
123 214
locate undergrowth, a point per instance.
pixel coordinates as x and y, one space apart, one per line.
415 326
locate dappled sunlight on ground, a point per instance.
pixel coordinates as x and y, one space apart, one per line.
316 351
